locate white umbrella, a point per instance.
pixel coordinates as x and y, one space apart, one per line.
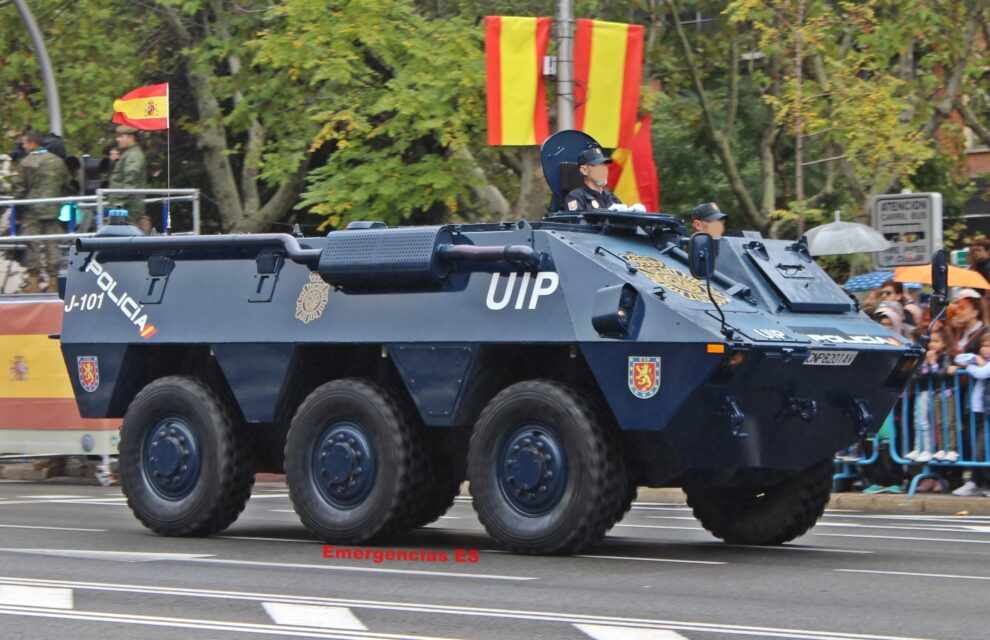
839 238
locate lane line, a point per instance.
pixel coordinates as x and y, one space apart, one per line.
138 556
546 616
32 526
199 623
658 526
47 597
603 632
906 538
308 615
914 574
601 557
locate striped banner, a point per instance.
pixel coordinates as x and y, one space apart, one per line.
632 175
517 101
608 71
144 108
35 390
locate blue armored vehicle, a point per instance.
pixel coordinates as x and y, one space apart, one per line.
556 366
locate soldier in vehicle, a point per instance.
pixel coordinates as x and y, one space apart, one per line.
707 218
592 195
40 175
129 172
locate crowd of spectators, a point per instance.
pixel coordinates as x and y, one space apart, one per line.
960 343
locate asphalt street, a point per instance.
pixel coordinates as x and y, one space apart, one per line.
75 563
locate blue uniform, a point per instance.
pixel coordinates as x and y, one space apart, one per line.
584 198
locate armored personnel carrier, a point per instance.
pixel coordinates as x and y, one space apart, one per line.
557 366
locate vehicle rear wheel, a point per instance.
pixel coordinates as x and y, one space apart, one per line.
768 516
354 463
185 462
546 475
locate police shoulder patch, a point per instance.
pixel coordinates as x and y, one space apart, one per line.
572 205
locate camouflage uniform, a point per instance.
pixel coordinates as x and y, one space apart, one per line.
40 175
129 172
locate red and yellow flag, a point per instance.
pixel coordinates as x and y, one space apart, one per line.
632 176
144 108
517 103
608 70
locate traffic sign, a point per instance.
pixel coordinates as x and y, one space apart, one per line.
912 222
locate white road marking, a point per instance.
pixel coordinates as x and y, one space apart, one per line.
602 632
657 526
919 528
49 597
544 616
32 526
137 556
650 559
307 615
258 538
906 538
113 556
213 625
46 496
255 496
916 575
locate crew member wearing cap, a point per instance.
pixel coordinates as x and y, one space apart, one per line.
129 172
707 218
592 195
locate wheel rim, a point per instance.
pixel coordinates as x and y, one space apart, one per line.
532 470
344 465
171 458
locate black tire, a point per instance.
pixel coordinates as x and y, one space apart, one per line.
388 492
187 417
587 495
770 516
443 487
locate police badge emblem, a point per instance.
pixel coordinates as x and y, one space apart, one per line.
89 373
312 299
644 376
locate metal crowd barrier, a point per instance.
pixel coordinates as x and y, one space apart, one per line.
951 419
91 209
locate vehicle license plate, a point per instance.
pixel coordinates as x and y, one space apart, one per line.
831 358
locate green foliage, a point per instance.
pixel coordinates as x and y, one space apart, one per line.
398 93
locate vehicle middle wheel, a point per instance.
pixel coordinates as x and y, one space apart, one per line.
546 475
354 463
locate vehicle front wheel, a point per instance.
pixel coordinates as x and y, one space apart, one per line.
185 464
764 516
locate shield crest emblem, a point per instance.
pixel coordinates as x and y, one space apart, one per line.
89 372
644 376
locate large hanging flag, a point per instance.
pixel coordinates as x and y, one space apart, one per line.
632 175
608 70
517 103
144 108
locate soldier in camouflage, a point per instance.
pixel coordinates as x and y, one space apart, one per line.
40 175
129 172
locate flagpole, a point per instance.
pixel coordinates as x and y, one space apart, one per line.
168 159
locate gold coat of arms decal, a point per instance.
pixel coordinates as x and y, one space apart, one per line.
683 284
312 299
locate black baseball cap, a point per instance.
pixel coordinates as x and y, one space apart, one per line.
708 212
593 156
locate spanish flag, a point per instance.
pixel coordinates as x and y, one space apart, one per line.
632 176
144 108
517 102
608 70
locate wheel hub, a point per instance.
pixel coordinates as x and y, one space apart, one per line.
344 465
171 458
532 470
